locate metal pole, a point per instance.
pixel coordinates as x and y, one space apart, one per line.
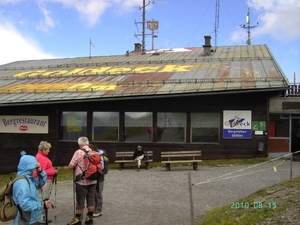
152 37
191 199
291 166
143 32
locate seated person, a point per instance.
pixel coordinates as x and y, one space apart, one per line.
138 156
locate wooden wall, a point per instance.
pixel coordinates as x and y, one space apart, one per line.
62 151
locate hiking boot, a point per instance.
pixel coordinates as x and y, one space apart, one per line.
96 214
89 220
44 221
75 221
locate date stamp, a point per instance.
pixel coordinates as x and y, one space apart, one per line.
255 205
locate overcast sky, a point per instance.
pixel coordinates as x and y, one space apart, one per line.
43 29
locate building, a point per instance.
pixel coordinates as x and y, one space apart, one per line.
213 99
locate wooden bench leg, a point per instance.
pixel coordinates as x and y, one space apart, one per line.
195 165
121 166
147 165
168 166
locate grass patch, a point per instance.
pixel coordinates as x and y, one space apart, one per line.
262 206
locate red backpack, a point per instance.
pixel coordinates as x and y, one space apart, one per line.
92 165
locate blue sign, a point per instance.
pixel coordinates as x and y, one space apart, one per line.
237 125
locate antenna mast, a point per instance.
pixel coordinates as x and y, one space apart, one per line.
152 25
217 20
248 27
143 24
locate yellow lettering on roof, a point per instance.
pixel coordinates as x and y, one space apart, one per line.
105 69
176 68
147 69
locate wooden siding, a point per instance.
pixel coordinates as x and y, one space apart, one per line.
62 151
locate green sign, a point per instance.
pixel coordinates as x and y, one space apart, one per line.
259 125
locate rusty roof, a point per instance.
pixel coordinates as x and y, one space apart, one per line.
165 72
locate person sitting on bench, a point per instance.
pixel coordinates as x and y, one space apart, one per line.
138 156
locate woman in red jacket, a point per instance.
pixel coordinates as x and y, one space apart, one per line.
46 164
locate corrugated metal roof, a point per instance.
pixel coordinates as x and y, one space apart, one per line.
161 72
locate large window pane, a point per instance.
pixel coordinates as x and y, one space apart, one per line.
171 127
205 127
105 126
73 125
138 126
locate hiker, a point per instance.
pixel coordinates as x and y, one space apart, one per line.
100 183
85 189
46 164
25 192
138 156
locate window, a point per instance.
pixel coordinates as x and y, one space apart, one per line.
279 126
205 127
138 126
73 125
105 126
171 127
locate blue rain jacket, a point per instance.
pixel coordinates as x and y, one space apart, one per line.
25 194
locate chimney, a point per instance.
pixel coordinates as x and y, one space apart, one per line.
137 47
207 45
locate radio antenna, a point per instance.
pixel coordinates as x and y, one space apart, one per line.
248 27
217 20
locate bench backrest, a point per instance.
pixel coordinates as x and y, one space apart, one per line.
181 154
126 155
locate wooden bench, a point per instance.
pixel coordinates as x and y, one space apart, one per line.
181 157
127 157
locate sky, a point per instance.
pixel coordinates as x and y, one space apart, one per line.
45 29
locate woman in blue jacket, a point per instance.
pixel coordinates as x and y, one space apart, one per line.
25 192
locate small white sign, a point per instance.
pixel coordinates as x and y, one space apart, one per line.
24 124
258 132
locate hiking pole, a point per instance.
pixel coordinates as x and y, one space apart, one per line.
74 183
46 211
55 183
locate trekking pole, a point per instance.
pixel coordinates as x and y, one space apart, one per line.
55 183
74 189
46 211
43 198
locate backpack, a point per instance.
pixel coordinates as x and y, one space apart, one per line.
8 208
105 166
93 167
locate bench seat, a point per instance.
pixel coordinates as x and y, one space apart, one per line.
181 157
127 157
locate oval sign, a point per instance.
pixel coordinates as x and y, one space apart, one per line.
23 128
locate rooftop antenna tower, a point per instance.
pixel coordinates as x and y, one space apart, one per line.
143 7
217 20
248 27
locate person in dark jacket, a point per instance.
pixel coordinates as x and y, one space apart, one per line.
138 156
25 192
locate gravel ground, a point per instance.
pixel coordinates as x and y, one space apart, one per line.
158 197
